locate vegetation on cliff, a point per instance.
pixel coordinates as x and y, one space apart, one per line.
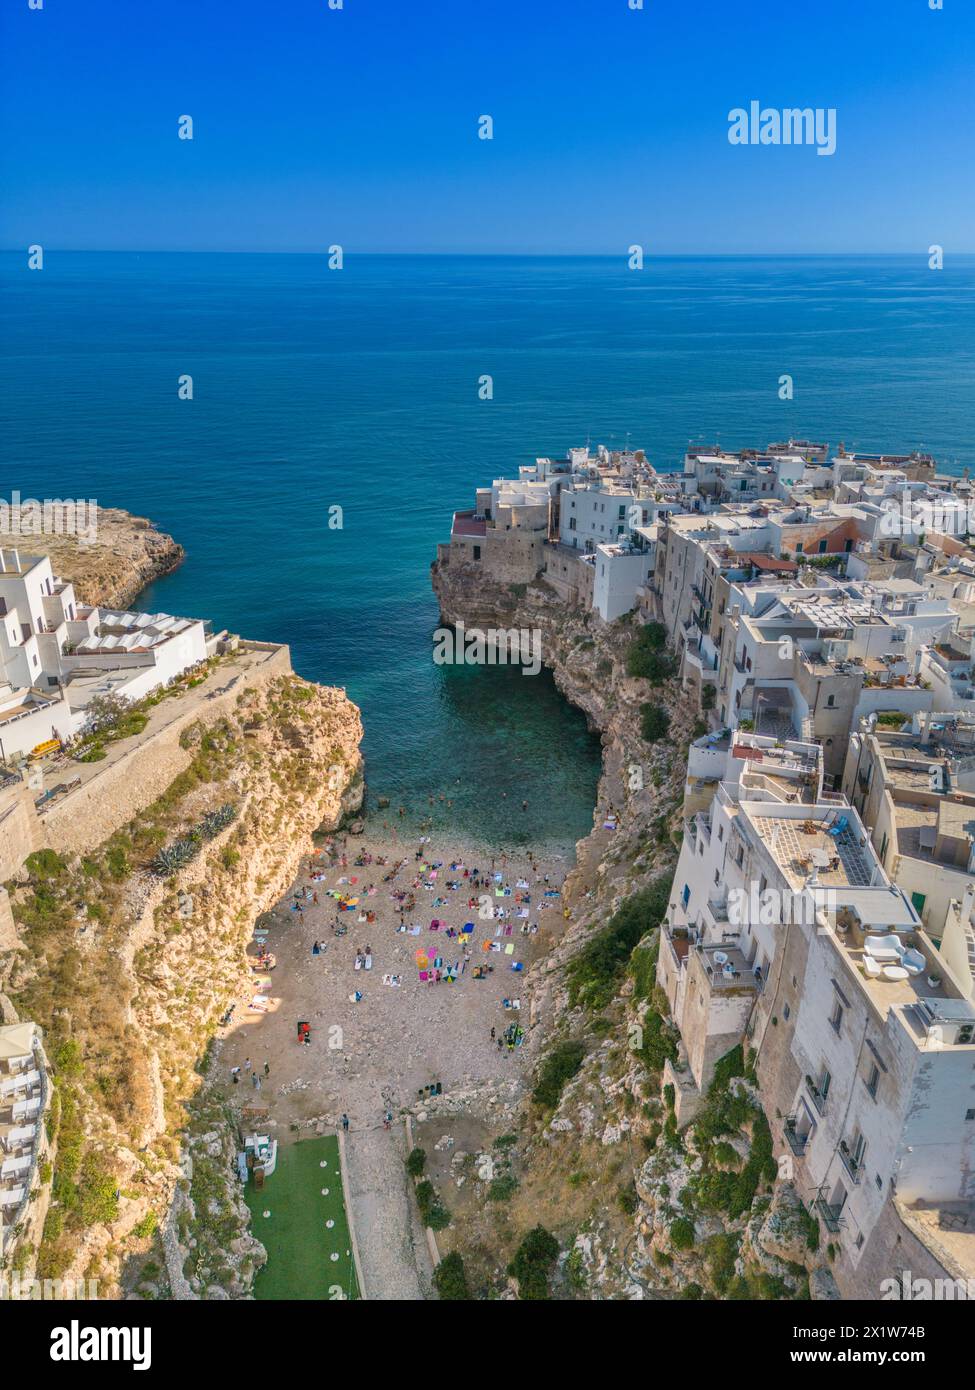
134 949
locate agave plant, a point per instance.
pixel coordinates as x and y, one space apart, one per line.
167 861
215 821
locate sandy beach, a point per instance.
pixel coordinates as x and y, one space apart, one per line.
370 1057
375 1054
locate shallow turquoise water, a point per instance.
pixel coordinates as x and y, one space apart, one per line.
359 389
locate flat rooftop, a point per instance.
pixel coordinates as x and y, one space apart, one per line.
948 1231
468 526
801 845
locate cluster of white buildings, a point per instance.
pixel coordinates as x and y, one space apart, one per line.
56 654
822 607
24 1098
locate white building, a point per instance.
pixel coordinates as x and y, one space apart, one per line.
24 1097
55 653
785 931
620 572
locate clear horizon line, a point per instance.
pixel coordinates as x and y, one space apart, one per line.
922 254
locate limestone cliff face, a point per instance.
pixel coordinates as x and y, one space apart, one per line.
127 553
641 783
129 969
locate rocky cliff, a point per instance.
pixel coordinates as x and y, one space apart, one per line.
131 951
126 553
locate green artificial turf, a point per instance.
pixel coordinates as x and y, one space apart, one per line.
299 1244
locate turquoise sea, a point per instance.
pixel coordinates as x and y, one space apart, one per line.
359 389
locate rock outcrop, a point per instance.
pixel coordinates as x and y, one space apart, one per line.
126 553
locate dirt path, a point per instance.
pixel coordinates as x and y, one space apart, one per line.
396 1264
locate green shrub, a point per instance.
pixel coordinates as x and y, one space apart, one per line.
438 1217
44 864
593 974
559 1067
146 1227
720 1254
533 1264
654 723
67 1058
450 1278
434 1213
627 1199
647 656
730 1065
416 1161
502 1189
643 968
682 1233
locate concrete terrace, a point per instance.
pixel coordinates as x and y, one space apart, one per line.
801 845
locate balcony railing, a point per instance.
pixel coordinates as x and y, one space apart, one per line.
817 1096
831 1215
796 1141
852 1164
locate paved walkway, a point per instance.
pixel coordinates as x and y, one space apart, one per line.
396 1265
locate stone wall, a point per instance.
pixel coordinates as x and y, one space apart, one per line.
20 830
99 808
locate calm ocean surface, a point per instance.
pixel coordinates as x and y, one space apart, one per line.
358 388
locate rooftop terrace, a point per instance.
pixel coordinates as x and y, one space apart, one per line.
801 846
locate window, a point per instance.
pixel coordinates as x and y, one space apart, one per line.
873 1080
798 547
836 1017
822 547
830 701
786 1011
970 1114
477 552
686 895
918 901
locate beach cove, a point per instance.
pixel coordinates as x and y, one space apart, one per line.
373 1057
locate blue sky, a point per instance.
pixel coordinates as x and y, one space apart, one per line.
359 126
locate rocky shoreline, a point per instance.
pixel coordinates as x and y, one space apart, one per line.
127 553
